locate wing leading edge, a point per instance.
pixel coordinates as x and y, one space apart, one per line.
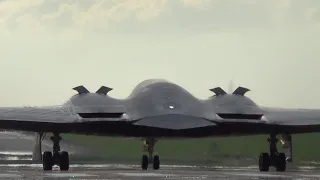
36 119
293 117
51 114
55 118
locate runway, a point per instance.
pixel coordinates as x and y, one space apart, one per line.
124 172
18 146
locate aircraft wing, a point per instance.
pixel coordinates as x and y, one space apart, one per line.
292 117
53 118
48 114
35 118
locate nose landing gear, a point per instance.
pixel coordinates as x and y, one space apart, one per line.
148 159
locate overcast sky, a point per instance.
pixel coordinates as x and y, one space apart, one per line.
49 46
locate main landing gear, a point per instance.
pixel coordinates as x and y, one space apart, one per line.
49 159
275 159
148 159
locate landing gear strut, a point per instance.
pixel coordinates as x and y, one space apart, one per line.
146 159
274 158
287 146
56 157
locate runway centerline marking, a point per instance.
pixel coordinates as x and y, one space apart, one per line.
146 174
69 175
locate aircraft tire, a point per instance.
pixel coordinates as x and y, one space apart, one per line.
281 162
144 162
64 161
47 161
264 162
156 162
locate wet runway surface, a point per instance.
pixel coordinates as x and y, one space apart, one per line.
123 172
19 145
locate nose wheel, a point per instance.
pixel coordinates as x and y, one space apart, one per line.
150 158
57 157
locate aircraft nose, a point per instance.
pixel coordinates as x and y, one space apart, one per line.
174 122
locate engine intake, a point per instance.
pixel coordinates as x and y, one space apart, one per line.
240 116
100 115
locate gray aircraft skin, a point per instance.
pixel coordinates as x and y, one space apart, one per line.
158 109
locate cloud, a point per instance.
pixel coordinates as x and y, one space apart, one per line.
37 16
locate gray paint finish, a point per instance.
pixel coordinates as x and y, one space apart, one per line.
157 103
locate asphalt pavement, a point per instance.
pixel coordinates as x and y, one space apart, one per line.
124 172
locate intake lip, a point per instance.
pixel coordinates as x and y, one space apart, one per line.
174 122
